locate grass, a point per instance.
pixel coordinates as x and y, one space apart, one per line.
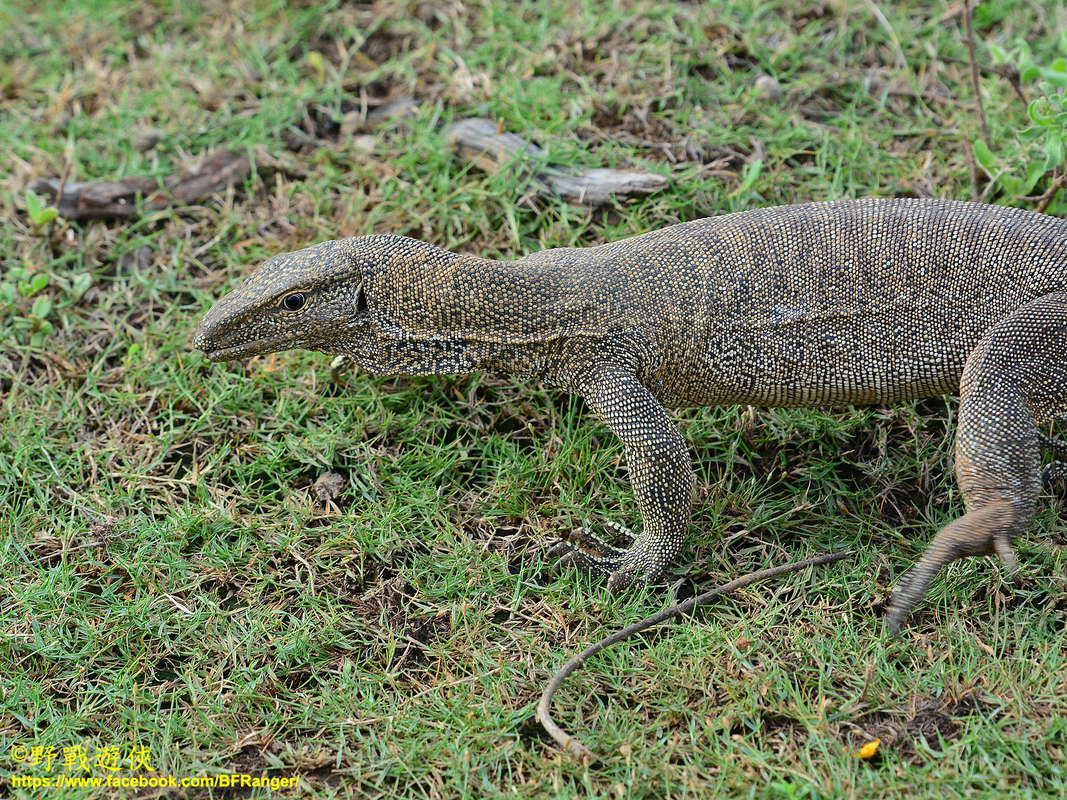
173 581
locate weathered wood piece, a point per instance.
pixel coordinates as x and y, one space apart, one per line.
118 199
481 142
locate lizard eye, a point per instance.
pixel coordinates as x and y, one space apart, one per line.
294 301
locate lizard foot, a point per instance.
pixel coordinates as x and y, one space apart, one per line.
1055 471
623 566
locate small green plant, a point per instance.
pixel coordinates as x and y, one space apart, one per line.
15 293
744 193
318 66
1017 170
40 214
1049 115
26 310
790 790
1023 59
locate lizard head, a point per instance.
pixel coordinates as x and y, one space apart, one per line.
388 303
303 299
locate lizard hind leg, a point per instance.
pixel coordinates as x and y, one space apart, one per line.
1012 381
1053 472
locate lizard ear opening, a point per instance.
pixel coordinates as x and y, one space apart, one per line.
361 301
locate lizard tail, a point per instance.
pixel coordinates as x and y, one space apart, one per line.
982 531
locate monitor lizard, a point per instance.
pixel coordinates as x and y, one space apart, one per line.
846 302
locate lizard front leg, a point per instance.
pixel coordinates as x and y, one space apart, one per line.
661 474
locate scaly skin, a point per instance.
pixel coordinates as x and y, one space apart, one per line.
850 302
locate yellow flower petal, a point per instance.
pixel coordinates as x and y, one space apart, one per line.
868 750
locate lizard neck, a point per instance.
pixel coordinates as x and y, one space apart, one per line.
422 291
434 311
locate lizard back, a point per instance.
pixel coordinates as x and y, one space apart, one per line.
843 302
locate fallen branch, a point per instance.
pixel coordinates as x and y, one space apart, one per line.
574 746
110 199
481 142
364 119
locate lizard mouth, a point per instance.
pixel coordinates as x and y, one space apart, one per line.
269 344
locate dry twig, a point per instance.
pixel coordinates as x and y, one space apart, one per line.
969 40
1044 200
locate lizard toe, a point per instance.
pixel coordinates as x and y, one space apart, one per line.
986 530
588 552
621 580
560 550
339 367
596 545
621 531
563 556
571 556
638 563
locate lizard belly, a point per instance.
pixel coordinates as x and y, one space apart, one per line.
845 360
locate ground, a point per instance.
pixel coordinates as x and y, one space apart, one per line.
186 583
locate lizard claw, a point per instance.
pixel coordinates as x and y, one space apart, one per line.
589 552
623 579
